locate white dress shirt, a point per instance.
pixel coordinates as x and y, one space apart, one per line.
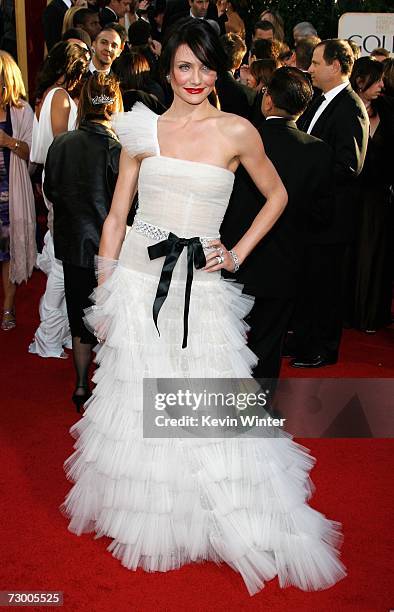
329 96
67 3
93 69
194 17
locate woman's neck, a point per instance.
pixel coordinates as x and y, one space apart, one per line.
180 109
369 107
366 102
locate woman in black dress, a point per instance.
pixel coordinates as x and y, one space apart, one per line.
372 294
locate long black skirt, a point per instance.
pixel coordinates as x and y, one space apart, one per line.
79 284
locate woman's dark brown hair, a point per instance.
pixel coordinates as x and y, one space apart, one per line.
132 70
100 98
262 70
65 60
366 71
201 39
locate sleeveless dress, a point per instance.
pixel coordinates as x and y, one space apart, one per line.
53 332
168 502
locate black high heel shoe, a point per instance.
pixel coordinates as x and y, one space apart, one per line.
79 400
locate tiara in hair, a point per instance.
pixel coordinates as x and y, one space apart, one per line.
98 100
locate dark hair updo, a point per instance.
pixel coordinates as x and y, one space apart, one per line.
202 40
68 60
100 98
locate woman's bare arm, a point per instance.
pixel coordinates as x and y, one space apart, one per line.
261 170
250 151
60 112
19 147
114 228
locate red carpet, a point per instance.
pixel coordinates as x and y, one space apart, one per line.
353 480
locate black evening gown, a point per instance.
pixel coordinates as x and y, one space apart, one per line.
372 280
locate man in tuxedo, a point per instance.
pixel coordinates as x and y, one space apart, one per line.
52 21
234 97
339 118
114 10
271 272
106 47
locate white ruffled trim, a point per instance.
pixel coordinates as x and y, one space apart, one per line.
168 502
137 130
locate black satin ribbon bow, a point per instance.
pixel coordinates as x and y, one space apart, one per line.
171 249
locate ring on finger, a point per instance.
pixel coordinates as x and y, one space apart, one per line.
220 259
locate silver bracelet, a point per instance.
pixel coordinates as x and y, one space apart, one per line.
235 259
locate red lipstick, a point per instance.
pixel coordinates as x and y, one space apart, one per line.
194 90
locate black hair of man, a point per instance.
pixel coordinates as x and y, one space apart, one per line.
139 33
82 15
264 25
290 90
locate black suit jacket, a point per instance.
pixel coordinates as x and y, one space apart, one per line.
304 164
344 126
81 170
235 97
52 22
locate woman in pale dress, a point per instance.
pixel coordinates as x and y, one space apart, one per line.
56 112
168 501
17 210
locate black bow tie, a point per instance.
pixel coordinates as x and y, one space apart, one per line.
172 248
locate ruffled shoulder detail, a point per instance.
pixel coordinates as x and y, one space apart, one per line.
137 130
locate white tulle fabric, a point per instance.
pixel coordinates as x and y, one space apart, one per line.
167 502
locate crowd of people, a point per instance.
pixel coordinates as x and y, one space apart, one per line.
240 157
326 263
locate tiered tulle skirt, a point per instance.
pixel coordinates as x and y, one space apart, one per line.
168 502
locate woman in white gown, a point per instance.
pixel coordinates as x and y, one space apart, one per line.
56 112
167 502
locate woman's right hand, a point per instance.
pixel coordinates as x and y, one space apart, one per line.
219 258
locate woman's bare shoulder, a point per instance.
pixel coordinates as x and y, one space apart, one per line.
234 126
61 98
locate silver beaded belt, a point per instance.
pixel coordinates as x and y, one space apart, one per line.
156 233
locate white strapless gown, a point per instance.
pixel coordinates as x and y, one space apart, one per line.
168 502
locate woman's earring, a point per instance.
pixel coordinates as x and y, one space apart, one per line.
168 77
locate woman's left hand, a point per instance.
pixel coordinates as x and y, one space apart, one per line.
219 258
5 140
